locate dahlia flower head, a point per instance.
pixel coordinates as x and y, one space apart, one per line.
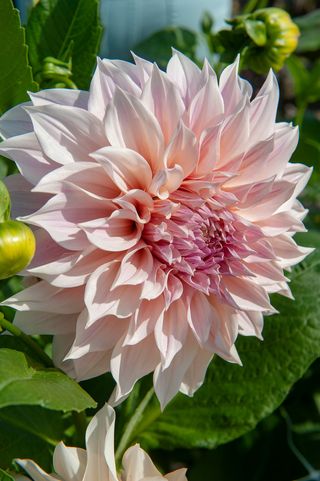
97 462
164 209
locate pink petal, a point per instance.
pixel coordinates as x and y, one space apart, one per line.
130 124
45 298
89 176
118 232
23 201
182 150
194 377
201 113
171 331
186 75
162 98
144 320
168 381
26 152
66 134
263 110
127 169
130 363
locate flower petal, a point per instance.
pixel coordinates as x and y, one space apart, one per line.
100 447
69 463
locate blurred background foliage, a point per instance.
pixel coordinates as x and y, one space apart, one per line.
284 446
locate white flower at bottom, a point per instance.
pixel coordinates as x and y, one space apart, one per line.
97 462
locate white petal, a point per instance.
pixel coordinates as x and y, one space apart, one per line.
178 475
100 447
138 465
66 134
69 463
15 121
36 473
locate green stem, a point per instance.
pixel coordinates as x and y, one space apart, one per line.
8 326
133 422
308 466
249 7
80 422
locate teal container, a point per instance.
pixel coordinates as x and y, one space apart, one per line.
128 22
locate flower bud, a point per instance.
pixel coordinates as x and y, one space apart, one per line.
17 247
281 40
266 38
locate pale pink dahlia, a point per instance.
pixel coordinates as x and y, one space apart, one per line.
164 208
97 462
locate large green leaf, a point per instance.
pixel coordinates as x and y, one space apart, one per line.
23 384
16 75
234 399
29 432
58 28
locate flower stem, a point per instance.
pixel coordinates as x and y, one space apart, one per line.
300 114
80 422
308 466
133 422
15 331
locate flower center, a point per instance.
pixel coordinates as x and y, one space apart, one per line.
197 245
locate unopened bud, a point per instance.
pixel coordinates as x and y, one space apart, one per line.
282 39
17 247
266 38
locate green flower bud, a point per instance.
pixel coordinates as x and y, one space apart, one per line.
17 247
266 38
281 40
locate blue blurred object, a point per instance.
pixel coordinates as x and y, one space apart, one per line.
128 22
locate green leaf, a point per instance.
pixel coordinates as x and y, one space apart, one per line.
4 476
299 74
29 432
234 399
16 75
158 47
306 81
23 384
256 31
309 25
60 28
